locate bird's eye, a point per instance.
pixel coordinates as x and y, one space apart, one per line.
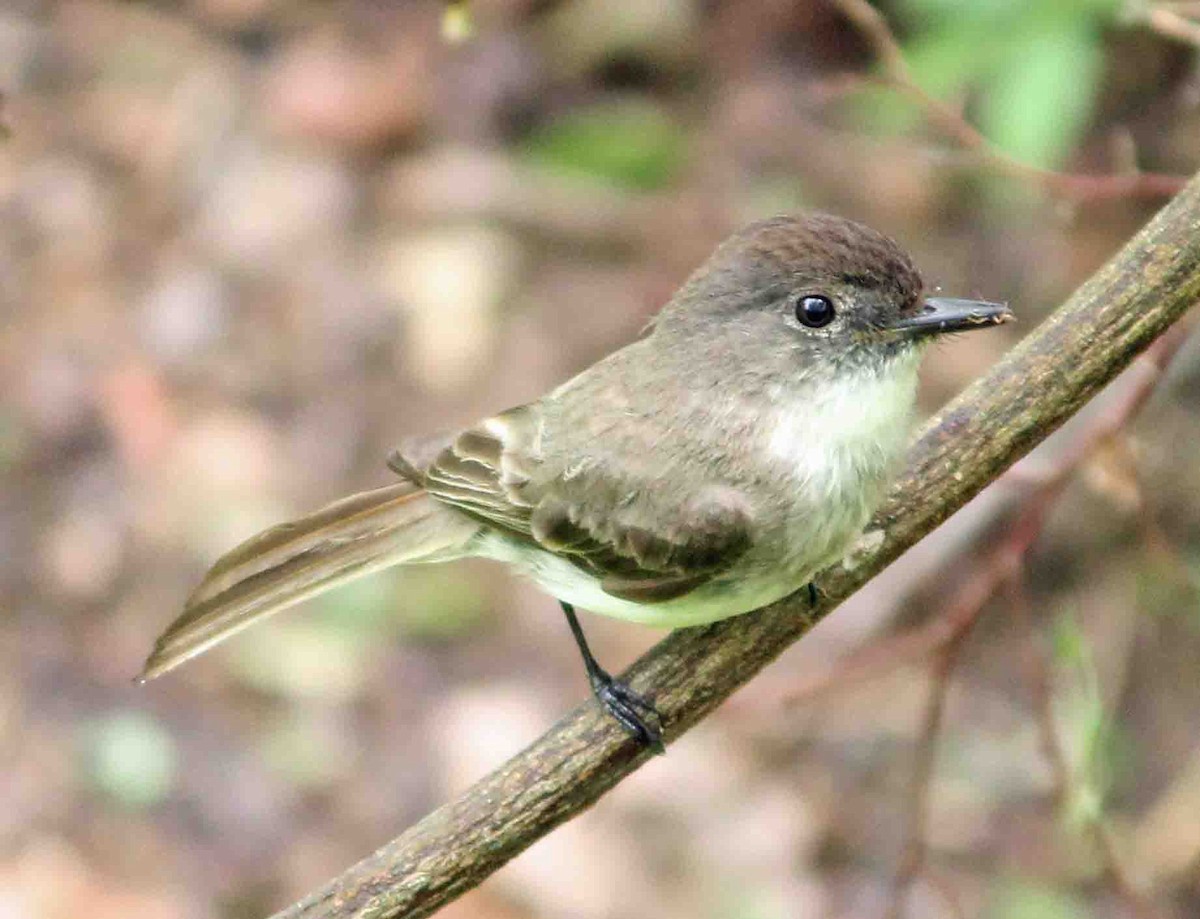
814 311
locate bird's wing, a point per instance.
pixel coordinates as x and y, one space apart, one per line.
414 455
594 514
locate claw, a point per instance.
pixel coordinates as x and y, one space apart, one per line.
630 710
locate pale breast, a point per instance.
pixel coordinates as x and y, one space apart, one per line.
836 449
845 429
827 452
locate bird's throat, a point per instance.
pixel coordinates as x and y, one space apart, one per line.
846 425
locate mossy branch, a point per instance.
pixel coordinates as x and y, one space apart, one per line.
1042 382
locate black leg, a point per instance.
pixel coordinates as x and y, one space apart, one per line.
813 596
631 711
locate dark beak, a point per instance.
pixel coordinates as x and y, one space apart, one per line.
946 314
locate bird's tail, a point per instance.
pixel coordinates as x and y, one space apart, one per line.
293 561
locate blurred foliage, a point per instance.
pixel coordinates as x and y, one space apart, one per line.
458 26
12 440
421 602
302 658
303 754
1091 741
435 603
1189 601
366 607
130 758
327 649
631 144
248 245
1169 586
1035 66
746 903
1019 899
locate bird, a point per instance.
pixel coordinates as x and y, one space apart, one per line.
706 469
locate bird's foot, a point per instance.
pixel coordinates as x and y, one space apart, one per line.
632 711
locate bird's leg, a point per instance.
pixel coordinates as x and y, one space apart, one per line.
633 712
813 596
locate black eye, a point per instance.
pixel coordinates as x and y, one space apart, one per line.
814 311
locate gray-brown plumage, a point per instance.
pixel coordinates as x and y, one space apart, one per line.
702 471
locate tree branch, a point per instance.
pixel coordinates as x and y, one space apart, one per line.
1042 382
947 119
995 564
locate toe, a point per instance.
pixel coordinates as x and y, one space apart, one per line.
631 711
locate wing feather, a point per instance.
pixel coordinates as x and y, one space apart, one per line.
495 472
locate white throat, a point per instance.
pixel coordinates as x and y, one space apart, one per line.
853 425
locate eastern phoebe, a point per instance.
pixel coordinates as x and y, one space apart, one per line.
707 469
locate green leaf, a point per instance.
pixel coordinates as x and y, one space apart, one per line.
945 60
1101 11
1008 13
945 11
1041 98
630 144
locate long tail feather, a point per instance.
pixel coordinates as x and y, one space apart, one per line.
294 561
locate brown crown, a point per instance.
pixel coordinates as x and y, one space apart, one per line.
824 246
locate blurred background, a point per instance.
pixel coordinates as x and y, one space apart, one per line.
247 245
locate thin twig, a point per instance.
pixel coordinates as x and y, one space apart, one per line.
896 74
914 645
912 860
875 29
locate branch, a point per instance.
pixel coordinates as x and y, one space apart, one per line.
916 848
1000 565
1041 383
998 561
897 75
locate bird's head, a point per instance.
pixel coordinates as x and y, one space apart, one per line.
828 287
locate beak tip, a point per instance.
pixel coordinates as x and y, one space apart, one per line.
947 314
